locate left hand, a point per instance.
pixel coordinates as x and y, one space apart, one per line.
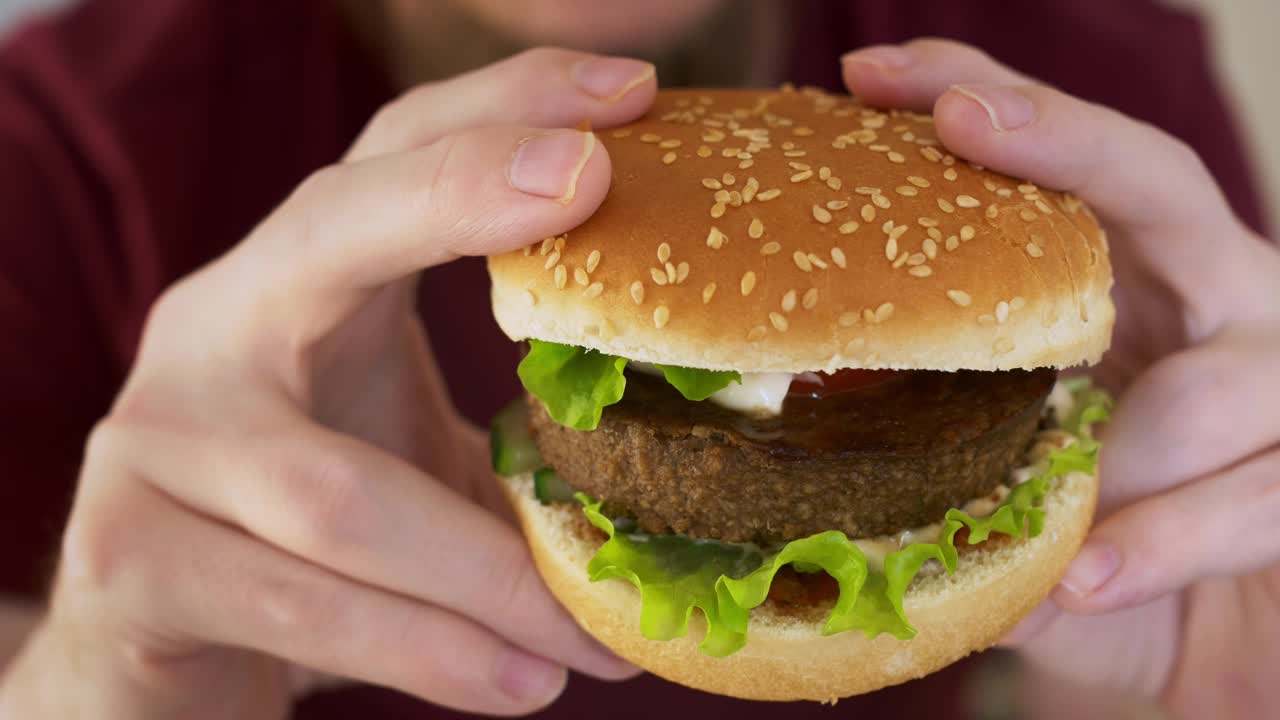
1176 594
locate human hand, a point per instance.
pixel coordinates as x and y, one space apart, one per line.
1176 594
284 482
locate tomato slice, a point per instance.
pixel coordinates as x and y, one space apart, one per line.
820 384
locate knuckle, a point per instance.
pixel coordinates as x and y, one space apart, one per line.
329 504
513 582
933 45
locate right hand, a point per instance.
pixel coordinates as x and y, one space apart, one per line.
283 483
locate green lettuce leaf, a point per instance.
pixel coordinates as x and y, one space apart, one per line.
697 384
676 574
573 383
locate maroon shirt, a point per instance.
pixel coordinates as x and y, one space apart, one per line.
140 140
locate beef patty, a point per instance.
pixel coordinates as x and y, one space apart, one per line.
870 461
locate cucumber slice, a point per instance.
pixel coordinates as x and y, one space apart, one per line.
510 446
549 488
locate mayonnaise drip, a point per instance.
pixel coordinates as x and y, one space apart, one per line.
758 394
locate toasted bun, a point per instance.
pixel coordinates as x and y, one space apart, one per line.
977 270
787 658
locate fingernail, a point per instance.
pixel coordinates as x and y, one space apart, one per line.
1092 568
610 78
549 164
881 57
1007 108
527 678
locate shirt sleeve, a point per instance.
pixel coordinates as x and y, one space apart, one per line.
56 376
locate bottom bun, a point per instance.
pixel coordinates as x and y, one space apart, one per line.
786 657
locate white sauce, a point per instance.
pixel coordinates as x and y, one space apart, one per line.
758 394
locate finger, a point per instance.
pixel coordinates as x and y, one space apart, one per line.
543 87
217 586
913 75
354 227
1219 526
1191 414
1032 625
366 515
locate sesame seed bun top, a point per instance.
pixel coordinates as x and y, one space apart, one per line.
762 230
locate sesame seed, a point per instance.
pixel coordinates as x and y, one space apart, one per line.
768 195
837 204
745 155
1027 188
931 154
927 222
624 132
821 214
1002 312
901 259
729 152
906 190
559 244
930 247
671 272
728 179
757 332
717 210
920 271
661 316
989 184
707 292
748 282
650 138
802 131
810 299
847 319
789 301
711 183
1044 207
880 148
802 176
580 276
834 183
593 290
917 181
881 201
1034 250
824 173
755 229
950 174
735 198
668 144
552 260
1003 345
967 233
898 232
848 228
992 212
798 166
959 297
896 157
794 153
561 277
778 321
1027 215
817 262
953 242
530 299
884 312
664 252
967 201
986 319
637 292
715 238
770 248
916 259
802 261
658 275
682 272
1004 192
891 248
721 196
934 233
868 213
746 164
669 158
1018 302
704 151
593 261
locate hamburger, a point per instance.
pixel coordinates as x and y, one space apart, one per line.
794 427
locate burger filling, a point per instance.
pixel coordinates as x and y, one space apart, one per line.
867 476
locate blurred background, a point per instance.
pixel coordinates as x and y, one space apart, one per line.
1244 38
